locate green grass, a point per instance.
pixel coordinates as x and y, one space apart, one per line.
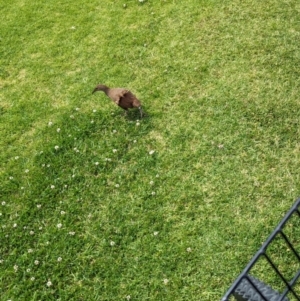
100 217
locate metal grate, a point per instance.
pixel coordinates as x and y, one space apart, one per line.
273 272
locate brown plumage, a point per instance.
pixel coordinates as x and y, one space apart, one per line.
121 97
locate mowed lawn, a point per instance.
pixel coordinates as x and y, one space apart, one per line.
98 206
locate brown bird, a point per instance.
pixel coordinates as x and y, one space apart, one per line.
121 97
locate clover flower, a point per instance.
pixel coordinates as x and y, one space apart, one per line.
49 283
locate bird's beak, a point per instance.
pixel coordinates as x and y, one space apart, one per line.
95 90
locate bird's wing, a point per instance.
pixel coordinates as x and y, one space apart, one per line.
129 100
116 94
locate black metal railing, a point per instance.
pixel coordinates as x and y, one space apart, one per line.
277 262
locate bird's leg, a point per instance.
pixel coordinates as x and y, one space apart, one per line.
141 111
126 112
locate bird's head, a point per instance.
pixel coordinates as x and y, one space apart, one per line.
100 87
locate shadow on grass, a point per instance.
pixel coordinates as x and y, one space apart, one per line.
134 115
81 147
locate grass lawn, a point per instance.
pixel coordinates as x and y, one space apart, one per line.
98 206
